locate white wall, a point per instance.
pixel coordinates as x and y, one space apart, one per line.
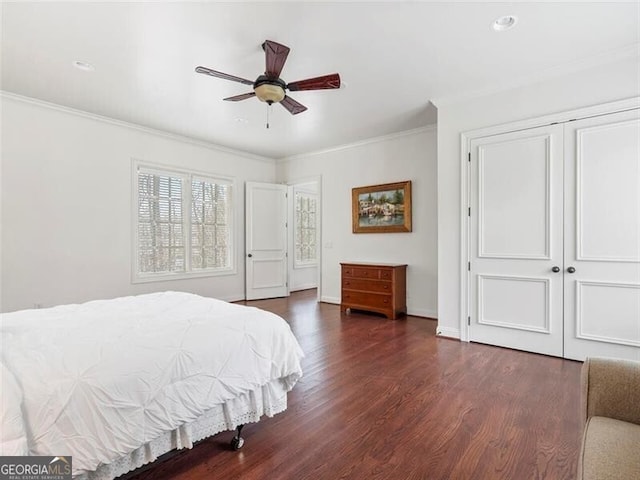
607 83
66 205
408 156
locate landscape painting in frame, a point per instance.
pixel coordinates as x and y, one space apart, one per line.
382 208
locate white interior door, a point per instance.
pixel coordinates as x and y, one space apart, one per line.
602 237
266 240
516 196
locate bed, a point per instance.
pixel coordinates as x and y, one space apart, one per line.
117 383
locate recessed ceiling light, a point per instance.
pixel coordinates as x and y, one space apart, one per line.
505 23
84 66
242 120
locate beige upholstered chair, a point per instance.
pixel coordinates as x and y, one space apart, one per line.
611 409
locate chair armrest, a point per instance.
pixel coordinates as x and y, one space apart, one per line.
611 388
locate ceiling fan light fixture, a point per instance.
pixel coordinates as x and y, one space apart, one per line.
269 93
505 23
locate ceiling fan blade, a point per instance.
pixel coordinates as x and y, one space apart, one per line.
224 76
291 105
244 96
276 55
317 83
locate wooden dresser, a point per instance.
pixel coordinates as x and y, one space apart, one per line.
375 287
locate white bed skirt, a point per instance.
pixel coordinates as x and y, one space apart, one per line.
267 400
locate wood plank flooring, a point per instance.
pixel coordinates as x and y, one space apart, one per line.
384 399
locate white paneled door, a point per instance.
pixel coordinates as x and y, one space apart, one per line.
602 237
516 225
555 238
266 240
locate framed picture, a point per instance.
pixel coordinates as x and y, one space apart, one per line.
382 208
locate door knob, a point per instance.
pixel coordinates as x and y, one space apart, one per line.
571 270
555 269
249 255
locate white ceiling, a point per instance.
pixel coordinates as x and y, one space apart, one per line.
394 58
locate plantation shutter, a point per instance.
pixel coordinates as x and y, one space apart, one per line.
305 228
210 224
160 223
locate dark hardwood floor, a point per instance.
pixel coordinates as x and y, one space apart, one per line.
383 399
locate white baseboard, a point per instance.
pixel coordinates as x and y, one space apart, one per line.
448 332
233 298
334 300
423 312
418 312
306 286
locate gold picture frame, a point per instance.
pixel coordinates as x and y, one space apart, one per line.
384 208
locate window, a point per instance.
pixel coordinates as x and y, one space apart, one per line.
305 229
183 226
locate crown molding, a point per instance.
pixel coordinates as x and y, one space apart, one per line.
612 56
360 143
133 126
632 103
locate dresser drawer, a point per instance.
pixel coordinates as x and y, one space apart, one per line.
362 272
386 274
366 285
373 300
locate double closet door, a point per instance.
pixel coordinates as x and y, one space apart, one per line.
554 240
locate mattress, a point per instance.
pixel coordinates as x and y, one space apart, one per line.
115 383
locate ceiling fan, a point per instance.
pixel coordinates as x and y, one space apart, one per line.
270 88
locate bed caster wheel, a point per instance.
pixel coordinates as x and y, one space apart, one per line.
237 443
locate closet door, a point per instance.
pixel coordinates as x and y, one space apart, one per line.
602 237
516 228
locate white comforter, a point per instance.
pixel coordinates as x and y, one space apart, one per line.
100 379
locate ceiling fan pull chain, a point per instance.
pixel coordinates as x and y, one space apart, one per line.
268 110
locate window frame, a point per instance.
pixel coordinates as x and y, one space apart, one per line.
187 176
